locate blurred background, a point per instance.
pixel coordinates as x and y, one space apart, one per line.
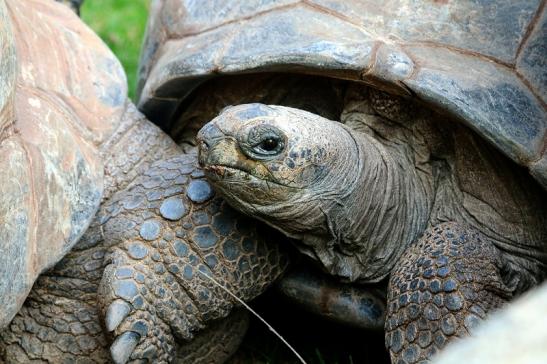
121 24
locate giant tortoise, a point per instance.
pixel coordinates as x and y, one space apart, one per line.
86 180
435 182
470 66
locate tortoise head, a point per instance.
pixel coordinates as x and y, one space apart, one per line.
314 180
264 159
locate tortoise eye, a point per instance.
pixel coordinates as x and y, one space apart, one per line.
264 142
269 144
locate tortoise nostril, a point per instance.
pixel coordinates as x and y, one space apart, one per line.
209 134
203 152
203 146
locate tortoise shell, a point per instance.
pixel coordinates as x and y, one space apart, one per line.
53 118
480 62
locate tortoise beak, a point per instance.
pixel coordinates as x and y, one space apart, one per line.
216 149
220 155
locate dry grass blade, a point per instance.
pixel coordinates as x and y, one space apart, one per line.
256 314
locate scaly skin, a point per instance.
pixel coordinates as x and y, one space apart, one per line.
217 342
170 235
441 289
401 191
145 283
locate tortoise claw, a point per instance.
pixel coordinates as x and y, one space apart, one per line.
115 314
123 346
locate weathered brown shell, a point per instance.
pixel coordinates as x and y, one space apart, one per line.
62 93
482 62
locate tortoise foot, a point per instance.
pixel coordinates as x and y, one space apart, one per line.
442 287
175 249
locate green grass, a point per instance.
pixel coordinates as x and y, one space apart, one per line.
121 24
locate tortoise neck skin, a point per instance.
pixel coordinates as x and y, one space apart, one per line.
386 210
352 203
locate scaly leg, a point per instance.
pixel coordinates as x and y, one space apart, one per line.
60 323
168 234
442 287
218 342
146 178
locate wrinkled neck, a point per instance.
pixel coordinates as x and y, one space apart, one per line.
375 211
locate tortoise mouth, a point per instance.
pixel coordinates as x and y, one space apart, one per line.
232 175
221 171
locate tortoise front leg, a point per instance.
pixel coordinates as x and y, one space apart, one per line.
442 287
216 343
168 235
